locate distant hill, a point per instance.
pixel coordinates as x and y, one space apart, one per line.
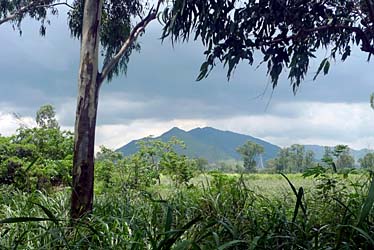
209 143
217 145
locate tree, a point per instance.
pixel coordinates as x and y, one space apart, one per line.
287 33
283 161
345 160
338 158
106 161
297 157
249 152
293 159
37 157
105 22
367 161
45 117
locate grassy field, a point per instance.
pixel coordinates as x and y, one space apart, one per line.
219 211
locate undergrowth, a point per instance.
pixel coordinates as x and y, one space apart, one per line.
224 213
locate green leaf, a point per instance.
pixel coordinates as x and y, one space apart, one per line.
169 218
298 203
368 204
203 71
320 68
295 192
326 68
231 244
363 234
48 213
23 219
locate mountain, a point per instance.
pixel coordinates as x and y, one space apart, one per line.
217 145
209 143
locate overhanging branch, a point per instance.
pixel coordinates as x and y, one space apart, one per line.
366 44
33 5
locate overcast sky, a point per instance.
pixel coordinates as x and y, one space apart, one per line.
160 92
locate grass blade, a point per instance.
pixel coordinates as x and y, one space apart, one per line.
23 219
368 204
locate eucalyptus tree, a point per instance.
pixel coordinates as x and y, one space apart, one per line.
105 23
249 152
288 34
45 117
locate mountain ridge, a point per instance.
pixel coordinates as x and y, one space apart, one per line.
209 143
220 145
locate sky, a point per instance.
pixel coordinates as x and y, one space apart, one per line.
159 92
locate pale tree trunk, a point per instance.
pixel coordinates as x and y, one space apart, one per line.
85 121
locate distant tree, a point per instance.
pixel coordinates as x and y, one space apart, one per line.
180 168
201 163
106 161
367 161
345 160
338 158
46 117
297 157
292 159
35 158
327 156
283 161
309 160
249 152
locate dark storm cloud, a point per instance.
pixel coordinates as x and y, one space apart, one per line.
160 83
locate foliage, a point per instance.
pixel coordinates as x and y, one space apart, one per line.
292 159
225 214
288 34
36 158
15 11
249 152
144 168
339 158
115 28
179 168
367 161
45 117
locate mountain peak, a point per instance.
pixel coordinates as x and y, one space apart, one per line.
176 129
210 143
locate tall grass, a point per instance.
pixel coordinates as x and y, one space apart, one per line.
226 212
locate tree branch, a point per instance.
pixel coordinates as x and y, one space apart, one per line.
26 8
108 67
366 45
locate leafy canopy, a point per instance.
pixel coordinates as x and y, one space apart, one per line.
287 33
115 28
14 11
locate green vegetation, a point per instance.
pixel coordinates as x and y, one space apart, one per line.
160 199
249 152
37 158
220 211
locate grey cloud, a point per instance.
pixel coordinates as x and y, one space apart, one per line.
160 83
